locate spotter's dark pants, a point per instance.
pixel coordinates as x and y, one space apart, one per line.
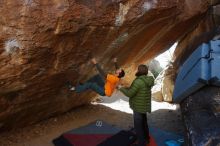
141 128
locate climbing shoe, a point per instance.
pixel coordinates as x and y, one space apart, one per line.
69 86
72 88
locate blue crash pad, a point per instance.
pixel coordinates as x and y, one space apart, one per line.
200 69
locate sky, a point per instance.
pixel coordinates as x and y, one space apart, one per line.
165 57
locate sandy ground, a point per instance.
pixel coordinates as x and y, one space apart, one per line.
114 110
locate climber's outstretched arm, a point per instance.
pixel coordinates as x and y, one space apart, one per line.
98 67
116 63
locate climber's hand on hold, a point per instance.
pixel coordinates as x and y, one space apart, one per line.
115 60
93 60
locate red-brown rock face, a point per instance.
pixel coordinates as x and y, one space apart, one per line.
44 43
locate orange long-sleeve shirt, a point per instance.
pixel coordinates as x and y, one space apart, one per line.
110 84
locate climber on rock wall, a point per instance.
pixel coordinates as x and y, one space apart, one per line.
102 83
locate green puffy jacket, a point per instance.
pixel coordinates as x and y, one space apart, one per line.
139 93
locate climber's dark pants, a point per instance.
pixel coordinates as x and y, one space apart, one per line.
96 83
141 128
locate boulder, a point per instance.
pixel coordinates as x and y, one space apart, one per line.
45 43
